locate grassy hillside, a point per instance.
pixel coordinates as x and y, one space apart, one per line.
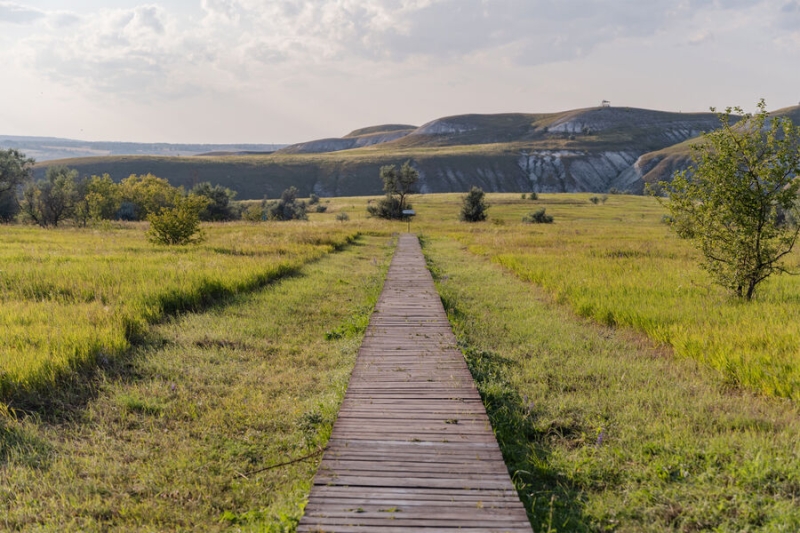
660 165
452 154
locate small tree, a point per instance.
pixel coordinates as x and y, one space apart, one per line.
398 185
219 206
178 225
473 207
288 207
737 202
48 202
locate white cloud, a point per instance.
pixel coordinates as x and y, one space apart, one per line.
18 14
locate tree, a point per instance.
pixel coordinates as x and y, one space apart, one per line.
15 168
219 206
473 208
178 225
146 194
103 198
738 201
50 201
288 207
397 184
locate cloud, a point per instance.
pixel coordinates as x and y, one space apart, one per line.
18 14
147 51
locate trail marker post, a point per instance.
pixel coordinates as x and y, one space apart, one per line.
407 214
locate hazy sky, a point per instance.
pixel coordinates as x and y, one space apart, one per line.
264 71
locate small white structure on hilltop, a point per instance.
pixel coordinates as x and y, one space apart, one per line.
605 103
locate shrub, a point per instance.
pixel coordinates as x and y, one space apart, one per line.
288 207
473 208
598 199
254 213
219 206
313 199
321 208
342 217
178 225
537 217
533 196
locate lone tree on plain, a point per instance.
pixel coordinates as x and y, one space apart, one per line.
738 202
473 208
397 184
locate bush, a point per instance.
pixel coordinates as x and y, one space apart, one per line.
321 208
598 199
342 217
178 225
533 196
313 199
219 208
473 208
537 217
288 207
254 213
387 207
9 207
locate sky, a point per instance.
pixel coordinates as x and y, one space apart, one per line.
285 71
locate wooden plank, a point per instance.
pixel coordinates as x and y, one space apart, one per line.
412 448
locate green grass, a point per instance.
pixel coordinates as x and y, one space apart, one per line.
182 431
69 297
618 264
602 432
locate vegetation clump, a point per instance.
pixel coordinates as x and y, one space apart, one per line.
179 225
473 206
15 169
288 207
219 207
738 203
537 217
398 185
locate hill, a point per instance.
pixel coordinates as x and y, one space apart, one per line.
589 150
660 165
52 148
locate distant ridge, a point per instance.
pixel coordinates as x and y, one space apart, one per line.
52 148
596 149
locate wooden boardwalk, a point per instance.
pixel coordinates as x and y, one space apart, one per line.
412 448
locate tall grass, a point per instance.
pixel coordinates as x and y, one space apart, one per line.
617 263
68 297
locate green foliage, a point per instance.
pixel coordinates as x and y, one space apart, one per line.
146 194
219 206
103 198
313 199
473 206
287 208
537 217
533 196
178 225
733 203
254 213
320 208
398 185
15 168
9 206
342 216
54 199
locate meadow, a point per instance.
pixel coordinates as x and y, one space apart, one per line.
627 392
72 297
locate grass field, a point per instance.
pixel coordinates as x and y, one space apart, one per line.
71 297
183 430
628 393
618 264
602 432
